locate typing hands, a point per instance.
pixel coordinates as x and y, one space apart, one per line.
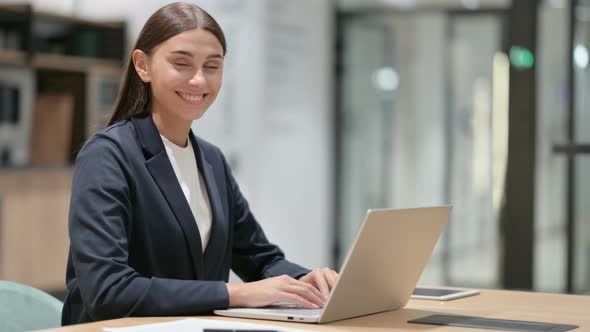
322 279
310 291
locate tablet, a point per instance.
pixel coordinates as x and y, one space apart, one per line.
442 294
491 323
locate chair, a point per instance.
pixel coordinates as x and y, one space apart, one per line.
24 308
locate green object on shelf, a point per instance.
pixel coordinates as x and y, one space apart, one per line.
521 57
24 308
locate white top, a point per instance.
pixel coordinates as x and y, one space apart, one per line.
184 164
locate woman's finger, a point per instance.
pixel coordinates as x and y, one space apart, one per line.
307 284
294 298
308 292
321 283
332 276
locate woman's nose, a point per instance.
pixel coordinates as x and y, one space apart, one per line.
198 78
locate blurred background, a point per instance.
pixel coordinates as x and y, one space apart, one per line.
329 108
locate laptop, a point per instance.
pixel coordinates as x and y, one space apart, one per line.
380 272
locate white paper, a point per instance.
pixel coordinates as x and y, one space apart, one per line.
197 325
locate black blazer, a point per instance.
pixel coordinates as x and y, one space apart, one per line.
135 247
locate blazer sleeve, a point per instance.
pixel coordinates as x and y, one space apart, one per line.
99 225
253 256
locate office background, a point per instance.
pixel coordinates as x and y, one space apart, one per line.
329 108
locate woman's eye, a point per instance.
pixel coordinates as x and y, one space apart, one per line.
180 64
211 67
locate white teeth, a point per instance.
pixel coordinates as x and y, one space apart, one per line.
192 98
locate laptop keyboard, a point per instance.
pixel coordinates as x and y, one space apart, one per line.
296 312
286 311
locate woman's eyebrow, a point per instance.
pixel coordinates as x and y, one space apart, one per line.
187 53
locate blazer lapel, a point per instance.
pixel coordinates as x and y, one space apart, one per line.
161 170
218 238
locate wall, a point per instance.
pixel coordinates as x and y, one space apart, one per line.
273 119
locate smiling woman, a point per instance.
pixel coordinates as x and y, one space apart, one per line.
184 73
156 218
180 50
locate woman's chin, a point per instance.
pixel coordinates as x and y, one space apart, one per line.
194 115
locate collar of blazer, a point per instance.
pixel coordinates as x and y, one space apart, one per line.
160 168
148 135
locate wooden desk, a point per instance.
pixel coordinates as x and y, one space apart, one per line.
550 308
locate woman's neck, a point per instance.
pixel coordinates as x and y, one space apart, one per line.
175 131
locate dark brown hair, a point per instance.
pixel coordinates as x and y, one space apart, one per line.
168 21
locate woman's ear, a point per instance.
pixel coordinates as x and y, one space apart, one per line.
140 62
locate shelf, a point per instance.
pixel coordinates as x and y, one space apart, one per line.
57 61
43 54
13 57
53 17
15 8
76 20
35 169
72 63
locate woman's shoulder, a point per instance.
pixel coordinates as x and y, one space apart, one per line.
108 156
114 138
121 130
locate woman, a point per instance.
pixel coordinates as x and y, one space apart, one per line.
156 218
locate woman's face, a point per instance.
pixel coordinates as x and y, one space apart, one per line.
184 72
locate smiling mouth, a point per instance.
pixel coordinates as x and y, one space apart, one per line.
192 98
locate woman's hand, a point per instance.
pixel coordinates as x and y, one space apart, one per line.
268 291
322 279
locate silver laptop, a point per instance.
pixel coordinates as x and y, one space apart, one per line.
380 271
